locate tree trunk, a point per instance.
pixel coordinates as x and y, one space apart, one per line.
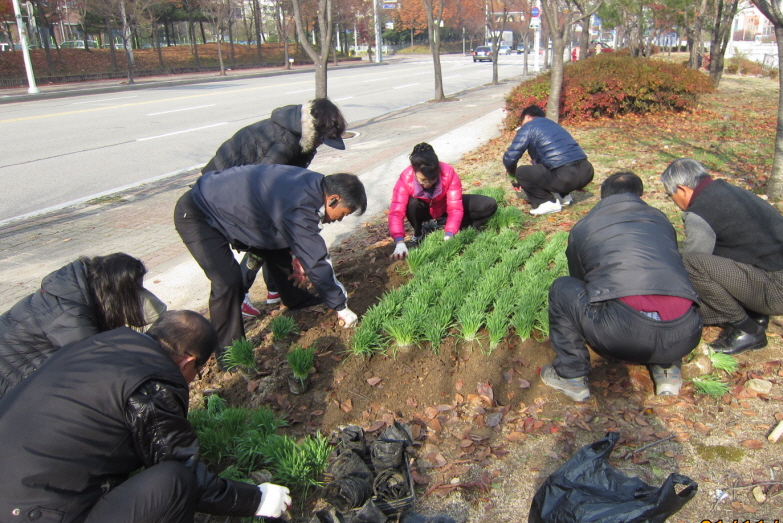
721 33
156 41
220 56
433 30
203 33
126 42
110 39
166 33
584 39
257 18
775 183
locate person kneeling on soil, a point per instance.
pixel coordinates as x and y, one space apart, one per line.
79 300
733 252
559 167
271 211
431 190
99 410
628 294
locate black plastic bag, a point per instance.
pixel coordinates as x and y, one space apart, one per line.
586 489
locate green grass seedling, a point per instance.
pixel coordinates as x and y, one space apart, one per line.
496 193
241 354
301 361
710 385
724 362
282 327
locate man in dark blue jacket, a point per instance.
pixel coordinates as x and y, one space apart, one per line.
272 211
559 167
101 409
733 251
628 294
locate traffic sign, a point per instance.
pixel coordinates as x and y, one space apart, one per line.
535 12
535 23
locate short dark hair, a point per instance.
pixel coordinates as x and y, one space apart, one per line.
327 118
624 182
534 111
425 161
185 333
116 282
350 190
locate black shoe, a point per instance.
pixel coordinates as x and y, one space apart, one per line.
736 341
307 302
761 319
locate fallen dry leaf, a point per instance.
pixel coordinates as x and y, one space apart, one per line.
374 381
516 436
346 406
485 389
752 444
376 426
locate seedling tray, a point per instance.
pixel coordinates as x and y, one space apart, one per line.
392 508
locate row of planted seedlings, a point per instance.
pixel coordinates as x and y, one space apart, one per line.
493 280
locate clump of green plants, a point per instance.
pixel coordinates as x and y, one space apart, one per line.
241 355
301 360
612 84
282 327
723 362
239 441
710 385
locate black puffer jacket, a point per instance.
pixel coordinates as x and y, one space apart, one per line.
286 138
38 325
95 412
624 247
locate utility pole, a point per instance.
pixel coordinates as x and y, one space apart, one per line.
535 17
28 64
378 43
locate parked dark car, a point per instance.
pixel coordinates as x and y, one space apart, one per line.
481 53
520 48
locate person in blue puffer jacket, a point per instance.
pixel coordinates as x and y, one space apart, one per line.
559 166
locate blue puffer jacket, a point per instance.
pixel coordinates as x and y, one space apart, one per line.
546 142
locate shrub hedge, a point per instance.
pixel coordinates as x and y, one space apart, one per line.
612 84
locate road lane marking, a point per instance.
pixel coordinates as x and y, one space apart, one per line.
185 109
181 132
341 99
404 86
302 91
455 76
106 100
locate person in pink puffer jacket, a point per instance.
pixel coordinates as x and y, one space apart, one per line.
431 190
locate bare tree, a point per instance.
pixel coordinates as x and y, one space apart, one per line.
725 11
321 57
434 19
773 10
217 13
283 22
560 16
497 12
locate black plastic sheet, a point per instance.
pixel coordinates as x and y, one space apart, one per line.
586 489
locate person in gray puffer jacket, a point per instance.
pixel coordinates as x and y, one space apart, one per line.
81 299
559 167
290 136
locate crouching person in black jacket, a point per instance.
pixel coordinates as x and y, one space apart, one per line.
102 408
628 294
272 211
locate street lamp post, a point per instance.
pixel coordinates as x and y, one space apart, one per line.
28 64
378 42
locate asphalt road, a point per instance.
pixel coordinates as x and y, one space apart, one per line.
62 151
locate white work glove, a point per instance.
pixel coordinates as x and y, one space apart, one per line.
400 251
274 500
447 237
348 317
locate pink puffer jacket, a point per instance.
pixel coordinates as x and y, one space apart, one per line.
447 198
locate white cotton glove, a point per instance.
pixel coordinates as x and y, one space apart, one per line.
447 237
400 251
348 317
274 500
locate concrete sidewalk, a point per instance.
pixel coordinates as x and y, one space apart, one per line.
139 221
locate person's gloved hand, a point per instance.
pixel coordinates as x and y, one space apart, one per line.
400 251
348 317
298 276
275 500
447 236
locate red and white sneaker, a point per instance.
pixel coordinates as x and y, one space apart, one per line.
272 298
248 309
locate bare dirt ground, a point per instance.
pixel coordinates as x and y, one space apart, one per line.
488 431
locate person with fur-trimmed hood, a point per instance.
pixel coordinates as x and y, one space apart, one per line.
290 136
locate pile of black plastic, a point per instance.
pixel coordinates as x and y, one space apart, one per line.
370 483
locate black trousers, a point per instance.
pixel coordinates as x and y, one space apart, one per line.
166 492
478 209
613 329
727 287
539 183
213 253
